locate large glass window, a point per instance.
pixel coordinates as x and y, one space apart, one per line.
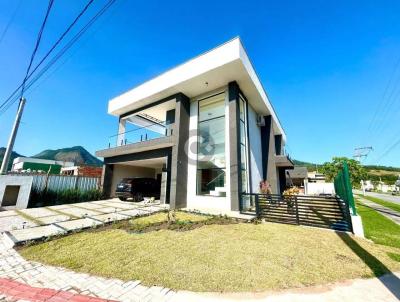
211 146
243 144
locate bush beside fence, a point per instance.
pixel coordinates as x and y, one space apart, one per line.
50 197
50 190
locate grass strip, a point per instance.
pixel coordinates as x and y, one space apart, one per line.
377 227
391 205
71 216
29 217
83 208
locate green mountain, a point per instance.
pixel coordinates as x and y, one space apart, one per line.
77 154
387 174
13 155
309 166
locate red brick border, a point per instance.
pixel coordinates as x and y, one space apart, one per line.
19 291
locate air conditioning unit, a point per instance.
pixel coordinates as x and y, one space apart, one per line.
260 120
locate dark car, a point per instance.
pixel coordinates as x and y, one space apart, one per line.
138 188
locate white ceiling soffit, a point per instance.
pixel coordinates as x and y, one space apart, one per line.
217 67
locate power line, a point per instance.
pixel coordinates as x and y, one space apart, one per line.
12 99
38 39
14 131
3 34
384 107
50 74
396 143
51 49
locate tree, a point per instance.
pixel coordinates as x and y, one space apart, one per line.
357 172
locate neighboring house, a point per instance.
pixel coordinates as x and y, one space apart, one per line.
368 185
206 129
316 177
88 171
297 177
385 188
38 165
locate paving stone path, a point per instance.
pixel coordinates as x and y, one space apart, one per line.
63 282
36 223
389 213
16 291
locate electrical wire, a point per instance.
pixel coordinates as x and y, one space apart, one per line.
38 39
62 51
50 50
3 34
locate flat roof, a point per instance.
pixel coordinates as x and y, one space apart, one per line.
204 73
41 161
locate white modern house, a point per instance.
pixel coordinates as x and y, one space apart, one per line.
206 129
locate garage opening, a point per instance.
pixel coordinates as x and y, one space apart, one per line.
141 179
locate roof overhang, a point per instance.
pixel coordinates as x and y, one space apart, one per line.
207 72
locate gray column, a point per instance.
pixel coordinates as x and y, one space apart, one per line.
265 139
106 179
234 145
121 132
179 162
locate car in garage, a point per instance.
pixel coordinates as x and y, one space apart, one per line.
138 188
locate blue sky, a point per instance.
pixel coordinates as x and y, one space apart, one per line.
325 67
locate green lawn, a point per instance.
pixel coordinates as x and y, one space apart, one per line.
378 228
388 204
218 257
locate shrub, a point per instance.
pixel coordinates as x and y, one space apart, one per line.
50 197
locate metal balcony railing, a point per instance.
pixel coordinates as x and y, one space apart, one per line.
140 134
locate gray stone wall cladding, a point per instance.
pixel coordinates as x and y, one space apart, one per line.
234 145
179 162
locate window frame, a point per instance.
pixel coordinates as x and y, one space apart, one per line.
222 93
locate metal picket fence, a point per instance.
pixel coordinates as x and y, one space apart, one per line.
62 182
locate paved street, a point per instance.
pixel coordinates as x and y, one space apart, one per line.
389 213
386 197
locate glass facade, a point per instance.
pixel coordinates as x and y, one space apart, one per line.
243 144
211 163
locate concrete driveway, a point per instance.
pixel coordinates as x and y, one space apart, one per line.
37 223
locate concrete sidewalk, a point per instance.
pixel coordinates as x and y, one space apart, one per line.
383 289
389 213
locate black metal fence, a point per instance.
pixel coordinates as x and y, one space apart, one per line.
317 211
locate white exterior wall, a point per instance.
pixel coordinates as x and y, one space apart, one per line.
201 202
255 150
25 183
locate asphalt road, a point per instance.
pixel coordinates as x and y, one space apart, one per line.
386 197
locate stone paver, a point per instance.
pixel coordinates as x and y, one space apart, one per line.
70 217
17 291
34 233
8 213
37 212
389 213
111 217
54 219
14 222
77 224
78 212
134 212
107 210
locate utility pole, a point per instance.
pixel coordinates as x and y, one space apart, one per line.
361 152
13 135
